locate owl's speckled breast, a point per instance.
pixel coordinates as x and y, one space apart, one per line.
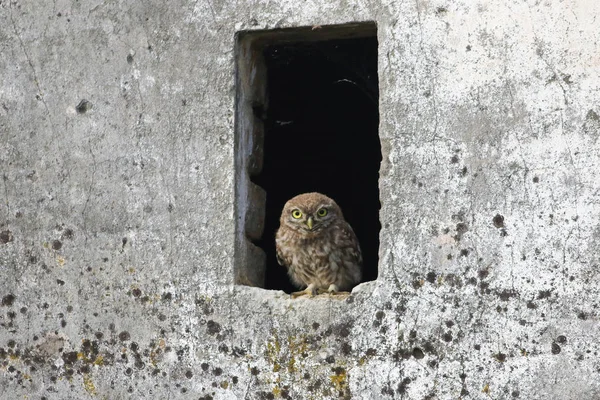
323 260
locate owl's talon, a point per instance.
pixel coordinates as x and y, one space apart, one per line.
332 289
299 294
310 291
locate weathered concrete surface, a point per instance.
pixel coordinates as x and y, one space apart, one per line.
117 211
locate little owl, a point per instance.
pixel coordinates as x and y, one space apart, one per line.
317 246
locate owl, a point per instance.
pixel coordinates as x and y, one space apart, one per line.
317 246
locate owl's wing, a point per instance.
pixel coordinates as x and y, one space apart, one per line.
280 259
278 253
349 255
349 242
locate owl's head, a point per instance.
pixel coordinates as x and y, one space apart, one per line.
310 213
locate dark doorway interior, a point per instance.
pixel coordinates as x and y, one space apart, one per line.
321 134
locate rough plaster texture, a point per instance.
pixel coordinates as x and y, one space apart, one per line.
118 218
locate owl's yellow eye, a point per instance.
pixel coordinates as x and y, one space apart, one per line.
297 214
322 212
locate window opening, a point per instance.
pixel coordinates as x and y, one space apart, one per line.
307 120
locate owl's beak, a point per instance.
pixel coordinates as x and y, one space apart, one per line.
309 223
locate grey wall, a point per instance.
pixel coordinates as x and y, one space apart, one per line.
117 216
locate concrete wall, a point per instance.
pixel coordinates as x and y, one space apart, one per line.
117 214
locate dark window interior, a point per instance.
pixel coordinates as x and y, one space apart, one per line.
321 134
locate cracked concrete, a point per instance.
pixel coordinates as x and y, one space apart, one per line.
117 229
